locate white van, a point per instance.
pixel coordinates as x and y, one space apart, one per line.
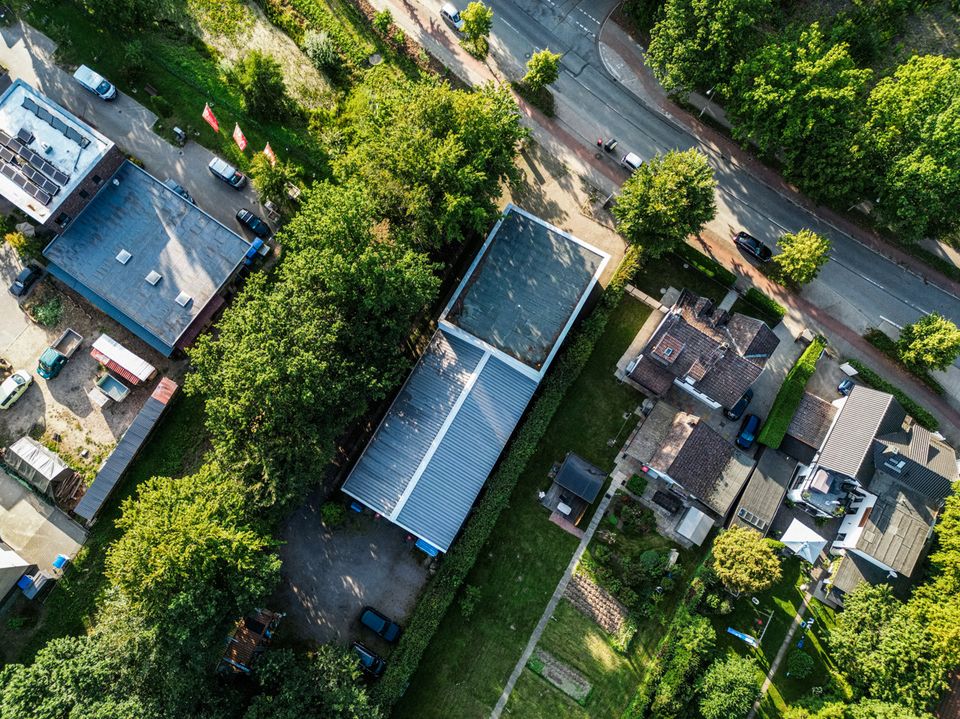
631 161
451 16
95 83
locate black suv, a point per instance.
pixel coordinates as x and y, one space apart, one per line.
752 246
253 222
28 275
736 412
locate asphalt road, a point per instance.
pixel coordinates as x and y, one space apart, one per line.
862 287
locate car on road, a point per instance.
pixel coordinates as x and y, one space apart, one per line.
748 431
382 626
631 161
223 170
24 281
752 246
371 662
253 222
179 189
736 412
451 16
95 83
14 386
846 387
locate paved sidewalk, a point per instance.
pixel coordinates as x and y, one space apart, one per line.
555 599
781 653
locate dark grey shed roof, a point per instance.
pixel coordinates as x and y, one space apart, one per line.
580 477
808 428
126 450
764 492
853 570
865 414
929 464
163 233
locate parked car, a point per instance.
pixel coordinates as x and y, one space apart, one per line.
752 246
28 275
95 83
748 431
846 386
736 412
631 161
379 624
371 662
223 170
253 222
179 189
14 386
59 353
451 16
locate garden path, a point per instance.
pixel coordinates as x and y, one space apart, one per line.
781 653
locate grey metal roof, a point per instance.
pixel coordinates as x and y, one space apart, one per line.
192 252
448 487
126 451
413 422
524 287
764 492
865 414
930 466
580 477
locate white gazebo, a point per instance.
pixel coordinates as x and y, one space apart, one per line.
803 541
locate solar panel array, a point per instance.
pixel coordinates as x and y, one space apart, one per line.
29 170
55 122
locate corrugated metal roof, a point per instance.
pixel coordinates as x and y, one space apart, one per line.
764 493
413 422
865 414
126 451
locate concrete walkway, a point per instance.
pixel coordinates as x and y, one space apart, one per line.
555 599
781 653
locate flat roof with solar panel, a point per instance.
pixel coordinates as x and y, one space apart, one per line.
45 151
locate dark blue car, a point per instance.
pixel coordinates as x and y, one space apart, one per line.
381 625
748 431
371 662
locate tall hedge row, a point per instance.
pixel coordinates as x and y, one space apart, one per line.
791 392
440 592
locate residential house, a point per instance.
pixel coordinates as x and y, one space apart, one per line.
705 351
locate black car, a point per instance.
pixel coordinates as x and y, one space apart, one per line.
179 189
381 625
752 246
28 275
253 222
736 412
371 662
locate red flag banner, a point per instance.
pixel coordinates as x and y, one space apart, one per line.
271 155
211 118
239 138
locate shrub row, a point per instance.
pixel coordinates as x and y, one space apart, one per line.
292 16
791 392
768 305
439 593
872 379
707 265
889 347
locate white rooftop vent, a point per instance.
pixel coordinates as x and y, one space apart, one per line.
123 257
116 182
154 277
183 299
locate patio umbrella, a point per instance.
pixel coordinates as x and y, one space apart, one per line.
803 541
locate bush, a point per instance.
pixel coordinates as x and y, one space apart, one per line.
799 664
637 484
332 514
439 593
134 60
791 392
322 50
768 305
382 22
48 312
163 108
636 520
540 98
707 265
468 600
261 83
28 248
872 379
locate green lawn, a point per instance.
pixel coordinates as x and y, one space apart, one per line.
175 449
669 271
466 665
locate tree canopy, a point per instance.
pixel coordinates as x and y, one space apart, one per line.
932 342
803 98
862 709
271 180
696 43
477 23
801 256
260 78
729 688
543 68
744 562
666 200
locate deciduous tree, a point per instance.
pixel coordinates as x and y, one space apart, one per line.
477 23
665 201
932 342
543 68
744 562
272 181
729 688
801 256
260 78
862 709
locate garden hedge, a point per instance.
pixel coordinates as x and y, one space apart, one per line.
766 304
707 265
454 567
791 392
889 347
872 379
